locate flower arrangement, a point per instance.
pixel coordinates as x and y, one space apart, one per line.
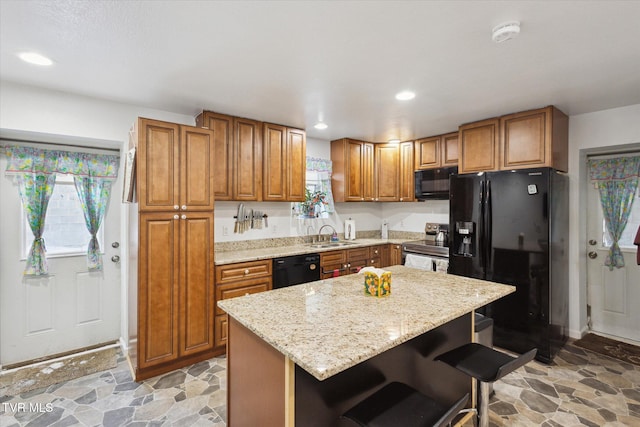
311 200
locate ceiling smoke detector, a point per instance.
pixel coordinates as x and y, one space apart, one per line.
505 31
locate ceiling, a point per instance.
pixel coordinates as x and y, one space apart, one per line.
341 62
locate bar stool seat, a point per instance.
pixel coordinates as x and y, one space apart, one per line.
397 404
486 365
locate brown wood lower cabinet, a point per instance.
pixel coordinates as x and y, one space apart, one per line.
395 254
350 261
175 291
333 264
357 259
234 280
376 256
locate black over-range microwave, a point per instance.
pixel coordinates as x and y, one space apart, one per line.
434 183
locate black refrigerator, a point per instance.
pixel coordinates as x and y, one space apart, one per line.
512 227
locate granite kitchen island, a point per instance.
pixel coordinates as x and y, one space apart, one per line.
303 355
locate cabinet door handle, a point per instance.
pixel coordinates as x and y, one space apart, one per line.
184 207
176 217
246 272
176 207
184 217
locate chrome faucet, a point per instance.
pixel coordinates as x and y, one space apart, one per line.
309 230
321 228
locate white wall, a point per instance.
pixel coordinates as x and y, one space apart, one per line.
592 132
37 110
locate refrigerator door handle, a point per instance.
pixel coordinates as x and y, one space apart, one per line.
480 231
488 220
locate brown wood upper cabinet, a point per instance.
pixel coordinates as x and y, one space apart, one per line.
529 139
174 167
387 172
256 161
247 159
535 138
284 164
479 149
436 151
222 127
352 177
407 181
238 156
371 172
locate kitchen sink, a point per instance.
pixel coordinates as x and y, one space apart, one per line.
330 244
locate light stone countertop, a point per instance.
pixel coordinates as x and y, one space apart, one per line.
330 325
230 257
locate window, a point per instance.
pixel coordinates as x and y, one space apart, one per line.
65 231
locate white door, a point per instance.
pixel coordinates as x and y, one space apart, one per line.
614 296
71 308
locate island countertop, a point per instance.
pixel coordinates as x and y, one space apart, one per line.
328 326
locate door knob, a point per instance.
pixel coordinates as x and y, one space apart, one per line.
115 245
592 242
593 255
115 258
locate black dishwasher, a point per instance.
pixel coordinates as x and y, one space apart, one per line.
293 270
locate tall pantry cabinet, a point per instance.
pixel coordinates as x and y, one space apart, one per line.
174 302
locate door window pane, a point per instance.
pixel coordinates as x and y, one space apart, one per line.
65 232
629 233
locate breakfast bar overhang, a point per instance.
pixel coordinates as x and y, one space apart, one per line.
305 354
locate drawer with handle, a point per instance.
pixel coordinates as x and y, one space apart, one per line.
243 270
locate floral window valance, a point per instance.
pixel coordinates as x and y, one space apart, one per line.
36 160
617 182
619 168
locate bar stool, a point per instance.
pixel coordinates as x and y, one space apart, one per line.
485 365
397 404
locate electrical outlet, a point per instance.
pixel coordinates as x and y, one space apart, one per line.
401 223
274 229
225 230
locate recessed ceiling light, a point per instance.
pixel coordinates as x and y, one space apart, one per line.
320 125
35 58
405 95
394 141
505 31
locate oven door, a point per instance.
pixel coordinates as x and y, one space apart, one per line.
425 262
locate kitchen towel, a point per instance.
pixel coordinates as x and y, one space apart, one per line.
441 265
420 262
350 229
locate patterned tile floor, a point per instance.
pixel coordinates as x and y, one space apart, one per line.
580 388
